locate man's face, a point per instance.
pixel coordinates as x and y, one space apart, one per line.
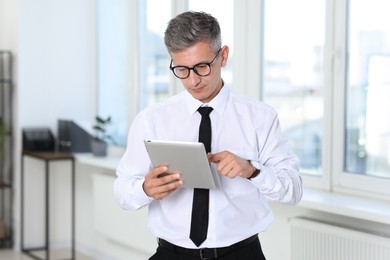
202 88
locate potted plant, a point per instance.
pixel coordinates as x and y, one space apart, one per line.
100 141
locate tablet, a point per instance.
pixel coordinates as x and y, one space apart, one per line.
187 158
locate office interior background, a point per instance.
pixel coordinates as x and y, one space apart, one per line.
323 64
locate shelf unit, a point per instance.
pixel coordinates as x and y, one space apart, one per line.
6 150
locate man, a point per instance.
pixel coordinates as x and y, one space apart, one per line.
248 152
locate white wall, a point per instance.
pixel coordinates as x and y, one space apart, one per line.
8 24
54 50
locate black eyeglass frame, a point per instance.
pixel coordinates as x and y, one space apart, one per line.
208 64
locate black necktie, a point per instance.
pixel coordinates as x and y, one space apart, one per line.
200 204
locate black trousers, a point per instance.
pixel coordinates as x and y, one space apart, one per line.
251 251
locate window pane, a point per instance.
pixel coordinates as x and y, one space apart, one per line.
223 11
294 36
367 135
154 58
113 64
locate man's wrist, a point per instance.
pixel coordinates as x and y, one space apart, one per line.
255 171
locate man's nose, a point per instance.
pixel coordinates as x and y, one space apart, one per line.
193 78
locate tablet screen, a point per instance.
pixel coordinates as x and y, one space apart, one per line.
187 158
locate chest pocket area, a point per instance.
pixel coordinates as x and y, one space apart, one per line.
239 186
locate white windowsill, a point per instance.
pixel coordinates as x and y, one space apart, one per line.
334 203
106 163
347 205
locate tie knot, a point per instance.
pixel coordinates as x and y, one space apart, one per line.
205 111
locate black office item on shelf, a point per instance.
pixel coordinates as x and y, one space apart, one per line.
38 139
73 138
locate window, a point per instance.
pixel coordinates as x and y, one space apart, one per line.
113 64
367 133
319 63
226 19
154 59
294 36
132 61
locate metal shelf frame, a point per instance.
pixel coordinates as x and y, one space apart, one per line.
6 150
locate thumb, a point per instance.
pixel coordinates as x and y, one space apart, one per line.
210 157
213 157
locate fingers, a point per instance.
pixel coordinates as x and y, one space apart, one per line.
225 162
229 164
159 183
230 169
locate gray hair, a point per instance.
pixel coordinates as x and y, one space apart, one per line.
189 28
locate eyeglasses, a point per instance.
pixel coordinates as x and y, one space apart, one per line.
202 69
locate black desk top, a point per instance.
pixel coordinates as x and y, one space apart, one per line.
48 155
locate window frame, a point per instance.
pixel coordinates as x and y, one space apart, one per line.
342 181
323 181
248 67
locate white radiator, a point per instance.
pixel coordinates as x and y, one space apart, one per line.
312 240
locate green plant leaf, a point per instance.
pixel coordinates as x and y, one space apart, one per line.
101 128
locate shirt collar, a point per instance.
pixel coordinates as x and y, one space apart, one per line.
218 103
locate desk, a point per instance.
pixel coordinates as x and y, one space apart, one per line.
48 157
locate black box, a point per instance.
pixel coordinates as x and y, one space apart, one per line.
38 139
73 138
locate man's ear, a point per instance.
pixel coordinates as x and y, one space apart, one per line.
224 55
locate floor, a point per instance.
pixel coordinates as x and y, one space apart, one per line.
9 254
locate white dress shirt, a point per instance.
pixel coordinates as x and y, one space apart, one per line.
238 208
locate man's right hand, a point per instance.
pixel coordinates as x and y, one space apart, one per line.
159 183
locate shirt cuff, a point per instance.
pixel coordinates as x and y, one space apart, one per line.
143 198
